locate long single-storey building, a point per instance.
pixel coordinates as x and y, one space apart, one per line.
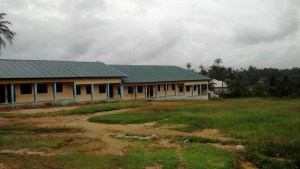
44 81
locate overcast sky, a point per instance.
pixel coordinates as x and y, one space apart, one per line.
263 33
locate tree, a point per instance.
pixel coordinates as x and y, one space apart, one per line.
5 33
203 70
188 66
217 62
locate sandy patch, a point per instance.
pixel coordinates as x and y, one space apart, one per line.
26 151
232 148
154 166
40 110
245 165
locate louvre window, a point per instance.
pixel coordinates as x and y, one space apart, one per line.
88 89
130 90
59 87
173 87
42 88
180 88
140 89
187 88
78 90
102 89
26 89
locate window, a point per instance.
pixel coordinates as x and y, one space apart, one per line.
180 88
158 88
140 89
102 89
187 88
78 90
59 87
173 87
88 89
195 87
129 89
26 89
42 88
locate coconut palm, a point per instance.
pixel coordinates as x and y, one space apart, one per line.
188 66
5 33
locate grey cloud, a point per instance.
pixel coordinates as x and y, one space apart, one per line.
286 23
170 32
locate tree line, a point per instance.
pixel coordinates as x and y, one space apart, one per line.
254 82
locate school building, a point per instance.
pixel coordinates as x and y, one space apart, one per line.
43 81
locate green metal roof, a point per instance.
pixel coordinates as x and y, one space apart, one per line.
149 74
21 69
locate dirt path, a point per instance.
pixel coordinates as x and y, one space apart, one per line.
39 110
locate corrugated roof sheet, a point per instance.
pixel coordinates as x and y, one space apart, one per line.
14 69
149 74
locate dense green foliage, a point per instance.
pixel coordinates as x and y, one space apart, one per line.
266 82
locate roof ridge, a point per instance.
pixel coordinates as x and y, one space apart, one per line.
50 60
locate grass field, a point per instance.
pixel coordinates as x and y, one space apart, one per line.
268 128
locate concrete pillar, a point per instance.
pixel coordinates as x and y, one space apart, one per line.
207 89
146 91
12 94
192 90
121 91
107 91
74 91
156 90
184 89
92 92
166 89
54 92
35 93
200 90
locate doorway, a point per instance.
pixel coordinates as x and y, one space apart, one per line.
2 94
111 91
151 92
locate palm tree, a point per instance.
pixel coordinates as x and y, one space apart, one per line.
218 61
188 66
5 33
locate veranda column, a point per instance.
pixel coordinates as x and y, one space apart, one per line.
207 89
35 93
146 91
92 92
184 89
175 89
54 92
74 91
166 89
135 91
12 94
121 91
192 90
107 91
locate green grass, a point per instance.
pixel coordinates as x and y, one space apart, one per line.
202 156
270 127
89 109
127 117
